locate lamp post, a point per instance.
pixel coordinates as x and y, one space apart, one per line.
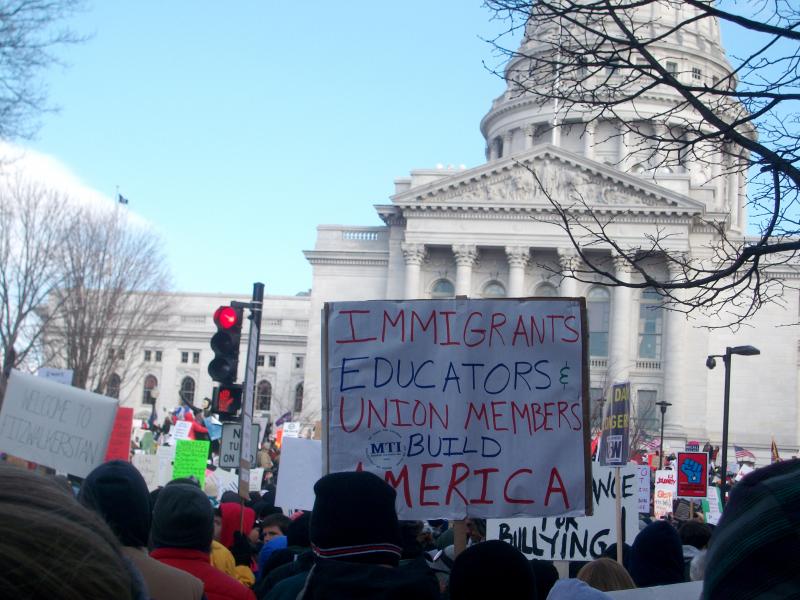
663 406
711 363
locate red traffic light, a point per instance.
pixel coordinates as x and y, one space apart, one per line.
226 317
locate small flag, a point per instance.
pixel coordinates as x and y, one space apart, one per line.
743 454
652 444
774 451
121 199
283 419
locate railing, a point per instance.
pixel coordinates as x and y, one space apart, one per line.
367 236
648 365
273 322
598 363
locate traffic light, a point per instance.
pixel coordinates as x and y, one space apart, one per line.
225 344
227 400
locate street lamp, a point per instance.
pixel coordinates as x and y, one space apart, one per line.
663 406
711 363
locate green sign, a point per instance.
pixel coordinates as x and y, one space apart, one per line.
191 458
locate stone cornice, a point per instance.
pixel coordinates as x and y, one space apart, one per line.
364 259
512 213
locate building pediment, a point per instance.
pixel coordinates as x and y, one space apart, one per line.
526 182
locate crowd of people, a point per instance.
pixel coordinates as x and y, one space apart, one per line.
115 539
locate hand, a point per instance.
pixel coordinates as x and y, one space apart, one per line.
241 550
693 470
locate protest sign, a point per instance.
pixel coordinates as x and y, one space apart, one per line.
58 375
303 459
119 442
254 479
55 425
692 446
227 481
615 441
165 455
147 465
576 538
231 441
464 406
191 457
666 486
181 429
692 473
291 429
643 475
744 469
712 505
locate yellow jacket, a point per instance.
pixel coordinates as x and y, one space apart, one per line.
222 559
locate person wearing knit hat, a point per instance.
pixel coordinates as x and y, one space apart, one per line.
181 534
492 569
355 537
118 493
657 556
753 550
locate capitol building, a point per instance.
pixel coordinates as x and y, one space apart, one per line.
488 232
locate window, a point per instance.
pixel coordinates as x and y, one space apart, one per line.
150 384
158 355
184 357
272 360
264 395
546 290
298 398
697 73
121 354
113 385
597 306
110 354
443 289
651 324
714 80
147 355
494 289
672 68
596 400
195 357
299 360
187 390
647 415
260 360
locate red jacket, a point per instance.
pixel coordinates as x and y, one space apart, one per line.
218 585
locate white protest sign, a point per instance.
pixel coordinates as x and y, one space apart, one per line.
665 492
180 430
227 481
58 375
465 406
643 475
230 443
55 425
303 459
262 423
714 512
147 465
165 456
745 469
256 475
576 538
291 429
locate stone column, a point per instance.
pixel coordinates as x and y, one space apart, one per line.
414 255
673 348
494 148
466 255
508 138
625 158
529 131
619 355
556 133
567 261
588 139
518 257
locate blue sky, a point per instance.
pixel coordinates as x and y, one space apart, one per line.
236 131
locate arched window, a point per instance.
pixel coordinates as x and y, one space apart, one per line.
264 395
651 325
113 385
298 398
150 383
187 390
597 304
494 289
547 290
443 289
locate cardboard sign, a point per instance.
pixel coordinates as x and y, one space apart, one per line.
231 442
666 488
643 476
57 375
464 406
147 465
191 457
615 441
712 505
303 459
119 442
55 425
291 429
581 538
181 429
165 455
692 473
256 475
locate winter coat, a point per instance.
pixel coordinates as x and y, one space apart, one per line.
218 585
223 560
164 582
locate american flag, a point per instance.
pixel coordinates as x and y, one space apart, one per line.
743 454
652 444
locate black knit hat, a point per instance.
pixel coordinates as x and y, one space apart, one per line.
354 519
183 518
118 492
492 569
656 556
753 550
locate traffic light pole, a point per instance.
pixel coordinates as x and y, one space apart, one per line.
248 399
